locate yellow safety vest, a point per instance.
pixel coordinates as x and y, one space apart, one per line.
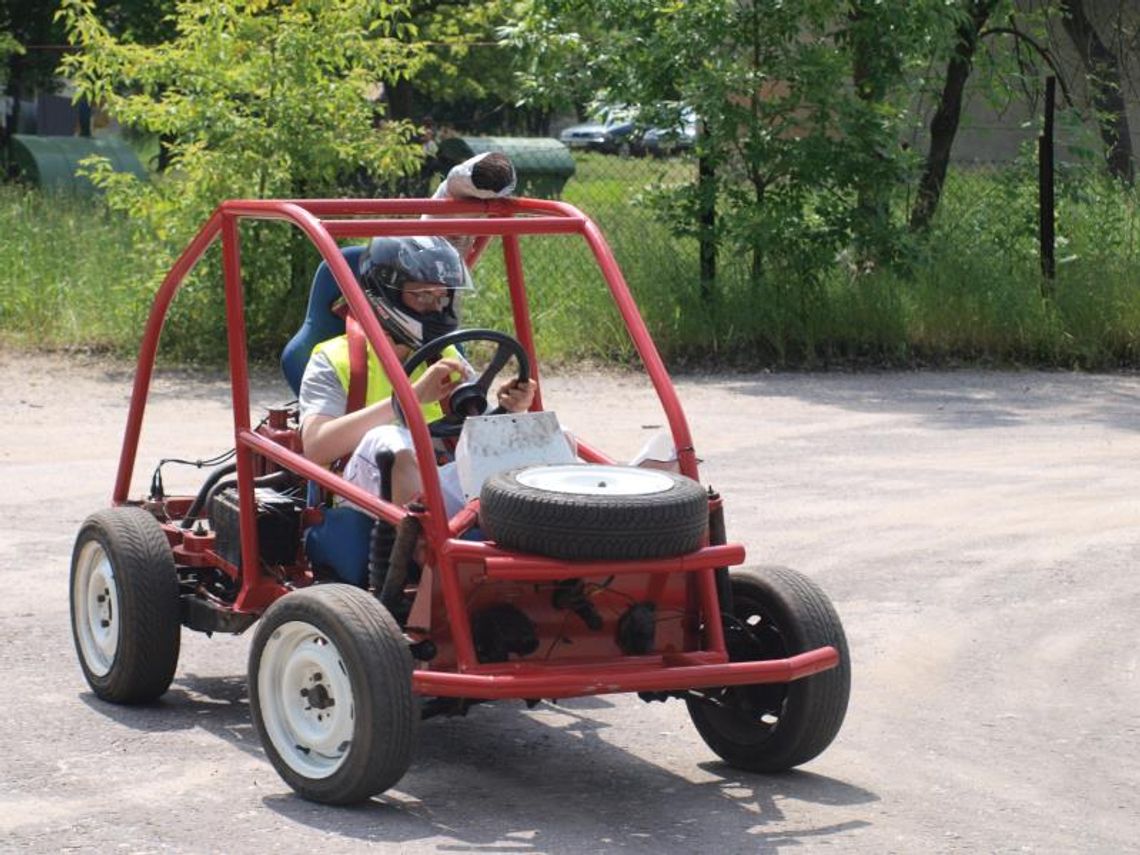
378 388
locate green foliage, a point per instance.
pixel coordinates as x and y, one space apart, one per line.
260 99
969 298
799 154
455 66
466 82
69 273
9 46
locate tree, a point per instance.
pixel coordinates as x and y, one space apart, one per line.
795 151
9 47
1103 72
34 23
944 124
262 99
887 40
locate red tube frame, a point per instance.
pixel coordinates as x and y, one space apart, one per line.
323 220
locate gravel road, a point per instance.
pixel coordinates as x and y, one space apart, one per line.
979 534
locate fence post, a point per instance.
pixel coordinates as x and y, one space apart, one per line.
1045 190
706 193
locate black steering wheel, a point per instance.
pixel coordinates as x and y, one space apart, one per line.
468 399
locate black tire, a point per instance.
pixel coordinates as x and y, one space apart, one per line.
775 727
599 523
125 612
317 648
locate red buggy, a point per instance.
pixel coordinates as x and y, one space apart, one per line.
557 579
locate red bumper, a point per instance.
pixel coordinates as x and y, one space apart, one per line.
635 674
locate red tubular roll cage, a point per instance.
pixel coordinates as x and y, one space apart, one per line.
323 221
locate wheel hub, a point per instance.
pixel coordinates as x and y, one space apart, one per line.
318 696
306 697
95 607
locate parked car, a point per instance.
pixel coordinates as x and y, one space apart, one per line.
671 133
614 137
661 142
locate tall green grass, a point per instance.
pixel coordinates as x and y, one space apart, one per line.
69 275
972 293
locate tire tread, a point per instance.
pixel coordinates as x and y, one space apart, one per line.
380 668
815 705
150 619
589 527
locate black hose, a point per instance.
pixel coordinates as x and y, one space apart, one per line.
383 535
212 489
205 491
718 537
392 594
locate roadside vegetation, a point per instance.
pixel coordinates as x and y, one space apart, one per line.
972 292
805 228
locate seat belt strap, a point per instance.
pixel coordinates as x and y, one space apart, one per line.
357 375
357 364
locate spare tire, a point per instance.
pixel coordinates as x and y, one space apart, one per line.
583 512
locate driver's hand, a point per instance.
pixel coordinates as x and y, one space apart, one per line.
516 396
439 380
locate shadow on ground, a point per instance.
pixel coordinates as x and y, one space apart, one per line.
504 779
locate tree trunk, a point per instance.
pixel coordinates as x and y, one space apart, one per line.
706 230
944 125
401 99
873 204
12 121
1102 70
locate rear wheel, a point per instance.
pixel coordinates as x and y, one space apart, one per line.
773 727
125 615
330 680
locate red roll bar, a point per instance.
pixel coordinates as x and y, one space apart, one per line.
324 220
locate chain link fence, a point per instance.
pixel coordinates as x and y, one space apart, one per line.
991 207
984 241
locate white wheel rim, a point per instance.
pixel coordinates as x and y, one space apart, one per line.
596 480
307 706
95 604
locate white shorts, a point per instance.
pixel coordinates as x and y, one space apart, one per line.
362 471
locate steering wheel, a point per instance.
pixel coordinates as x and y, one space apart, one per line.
468 399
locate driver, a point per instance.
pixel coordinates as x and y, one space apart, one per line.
414 285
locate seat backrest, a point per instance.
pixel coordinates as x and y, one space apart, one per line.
320 322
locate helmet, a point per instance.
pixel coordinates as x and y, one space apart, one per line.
390 263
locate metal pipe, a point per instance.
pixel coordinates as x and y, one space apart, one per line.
642 674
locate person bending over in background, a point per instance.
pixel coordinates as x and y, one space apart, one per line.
490 175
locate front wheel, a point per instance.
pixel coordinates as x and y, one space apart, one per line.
125 612
772 727
330 690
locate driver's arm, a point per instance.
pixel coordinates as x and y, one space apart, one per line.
325 438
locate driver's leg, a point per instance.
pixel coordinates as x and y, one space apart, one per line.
406 483
362 470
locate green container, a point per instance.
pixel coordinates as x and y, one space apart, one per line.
543 165
52 163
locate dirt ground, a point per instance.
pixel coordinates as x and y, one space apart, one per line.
979 534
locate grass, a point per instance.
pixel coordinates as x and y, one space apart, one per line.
973 294
69 274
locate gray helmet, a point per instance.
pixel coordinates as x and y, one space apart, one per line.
390 262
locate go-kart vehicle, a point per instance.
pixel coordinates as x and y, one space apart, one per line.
558 578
